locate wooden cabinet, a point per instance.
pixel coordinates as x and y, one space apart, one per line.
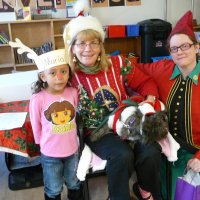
124 45
37 32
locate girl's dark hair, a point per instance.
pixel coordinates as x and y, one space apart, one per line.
39 85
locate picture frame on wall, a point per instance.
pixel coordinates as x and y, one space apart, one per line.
69 8
7 6
45 4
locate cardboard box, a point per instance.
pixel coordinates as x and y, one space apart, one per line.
17 86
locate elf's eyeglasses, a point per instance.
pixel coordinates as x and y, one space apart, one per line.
183 47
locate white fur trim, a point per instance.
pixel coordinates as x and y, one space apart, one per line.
110 121
174 147
81 5
146 108
84 163
127 112
162 105
119 126
81 23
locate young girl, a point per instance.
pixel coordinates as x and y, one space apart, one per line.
52 113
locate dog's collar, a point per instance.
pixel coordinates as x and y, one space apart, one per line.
129 125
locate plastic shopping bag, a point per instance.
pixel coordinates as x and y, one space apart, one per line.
188 186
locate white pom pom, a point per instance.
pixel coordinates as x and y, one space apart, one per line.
146 108
162 105
81 6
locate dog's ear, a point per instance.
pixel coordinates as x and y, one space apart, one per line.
155 127
162 115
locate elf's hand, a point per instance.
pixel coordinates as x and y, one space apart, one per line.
194 164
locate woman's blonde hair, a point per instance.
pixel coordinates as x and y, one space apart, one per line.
89 34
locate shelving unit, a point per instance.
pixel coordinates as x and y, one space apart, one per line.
32 33
124 45
35 33
197 28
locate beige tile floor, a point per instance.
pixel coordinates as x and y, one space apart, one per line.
97 185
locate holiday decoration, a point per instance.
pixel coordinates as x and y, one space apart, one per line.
140 122
146 123
44 61
184 26
92 113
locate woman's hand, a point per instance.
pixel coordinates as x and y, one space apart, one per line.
150 99
194 164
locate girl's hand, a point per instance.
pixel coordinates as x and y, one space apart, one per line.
194 164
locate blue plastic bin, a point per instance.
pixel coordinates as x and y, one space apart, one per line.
154 59
132 30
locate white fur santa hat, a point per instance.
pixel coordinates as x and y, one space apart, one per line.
148 108
81 23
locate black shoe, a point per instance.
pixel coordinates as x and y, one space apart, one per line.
137 192
75 194
58 197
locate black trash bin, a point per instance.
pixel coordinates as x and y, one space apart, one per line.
154 34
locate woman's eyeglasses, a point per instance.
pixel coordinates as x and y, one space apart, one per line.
183 47
83 45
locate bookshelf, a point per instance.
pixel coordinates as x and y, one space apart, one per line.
35 33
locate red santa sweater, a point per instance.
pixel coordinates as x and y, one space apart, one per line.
106 90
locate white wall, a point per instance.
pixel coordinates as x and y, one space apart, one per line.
132 14
176 8
148 10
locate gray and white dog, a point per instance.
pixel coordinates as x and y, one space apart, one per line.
142 123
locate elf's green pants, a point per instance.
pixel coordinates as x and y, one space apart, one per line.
177 169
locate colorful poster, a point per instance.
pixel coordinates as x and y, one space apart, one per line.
25 3
69 8
133 2
60 4
116 2
45 4
7 5
100 3
111 3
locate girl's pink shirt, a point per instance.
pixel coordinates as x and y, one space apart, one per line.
54 140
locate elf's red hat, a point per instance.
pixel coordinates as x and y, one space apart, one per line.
184 25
